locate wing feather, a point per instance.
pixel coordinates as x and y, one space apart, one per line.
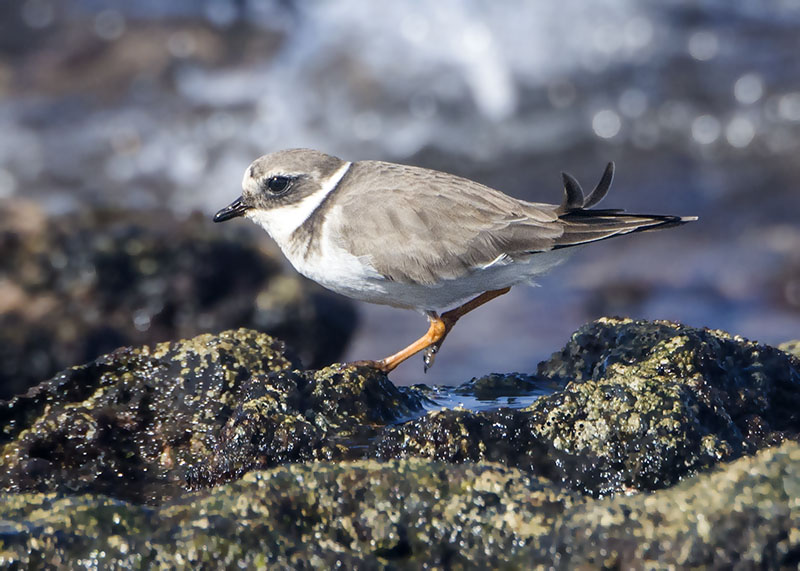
419 226
425 227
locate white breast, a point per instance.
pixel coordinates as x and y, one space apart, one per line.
337 269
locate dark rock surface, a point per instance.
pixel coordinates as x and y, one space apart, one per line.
650 402
501 385
77 286
298 516
151 457
415 512
743 515
644 405
146 424
295 416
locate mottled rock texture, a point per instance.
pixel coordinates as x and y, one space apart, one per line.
496 385
76 286
146 424
743 515
650 402
649 453
644 404
414 513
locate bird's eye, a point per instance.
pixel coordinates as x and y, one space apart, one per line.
278 184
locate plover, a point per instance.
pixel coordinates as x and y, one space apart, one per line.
417 238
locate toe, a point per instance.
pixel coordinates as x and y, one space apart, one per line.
379 365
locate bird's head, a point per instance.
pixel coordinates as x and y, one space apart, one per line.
276 186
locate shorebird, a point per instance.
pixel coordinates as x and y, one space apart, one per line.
417 238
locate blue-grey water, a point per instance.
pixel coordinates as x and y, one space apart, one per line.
163 104
443 397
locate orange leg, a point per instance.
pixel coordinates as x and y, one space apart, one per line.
436 331
433 339
451 317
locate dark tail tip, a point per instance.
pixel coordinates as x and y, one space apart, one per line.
600 191
573 193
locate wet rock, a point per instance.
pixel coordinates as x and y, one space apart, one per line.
147 424
505 436
495 385
316 515
297 416
414 513
460 435
131 423
77 286
645 404
743 515
651 402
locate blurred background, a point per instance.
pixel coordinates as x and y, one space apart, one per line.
157 108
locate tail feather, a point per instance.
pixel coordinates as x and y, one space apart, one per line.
573 193
582 226
600 191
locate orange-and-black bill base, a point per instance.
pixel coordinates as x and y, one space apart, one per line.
233 210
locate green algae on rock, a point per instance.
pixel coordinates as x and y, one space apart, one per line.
459 435
651 402
745 515
645 404
416 512
296 516
297 416
130 423
148 424
494 385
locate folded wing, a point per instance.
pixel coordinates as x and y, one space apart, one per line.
426 227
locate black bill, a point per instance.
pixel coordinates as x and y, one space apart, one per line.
233 210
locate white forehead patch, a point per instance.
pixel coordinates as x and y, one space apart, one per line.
247 179
281 222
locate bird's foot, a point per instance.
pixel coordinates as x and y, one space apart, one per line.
378 365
